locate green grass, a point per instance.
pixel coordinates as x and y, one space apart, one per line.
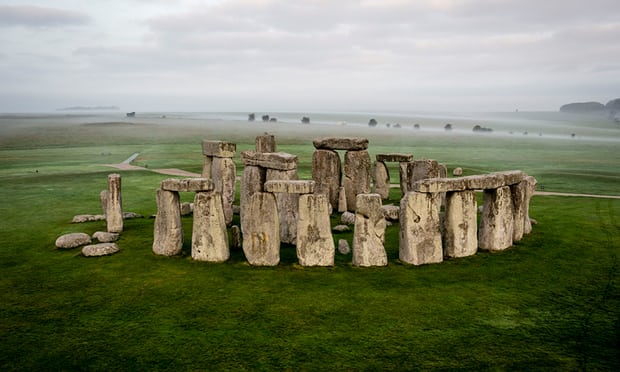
552 302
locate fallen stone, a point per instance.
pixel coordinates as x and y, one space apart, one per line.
131 215
186 208
341 143
81 218
72 240
458 171
101 249
315 244
187 184
343 246
218 149
270 160
391 212
327 173
369 232
106 237
341 228
347 218
209 235
394 157
420 235
261 234
290 186
382 180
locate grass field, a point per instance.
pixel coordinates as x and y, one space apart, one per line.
552 302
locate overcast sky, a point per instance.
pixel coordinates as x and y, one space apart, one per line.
308 55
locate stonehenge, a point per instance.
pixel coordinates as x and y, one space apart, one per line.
219 166
113 202
382 175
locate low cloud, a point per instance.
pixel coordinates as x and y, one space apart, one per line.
37 16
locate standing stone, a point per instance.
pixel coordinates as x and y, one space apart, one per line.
382 180
518 192
261 242
168 231
265 143
315 245
497 220
531 187
206 167
114 211
369 232
252 182
103 198
403 169
288 206
235 234
443 170
460 233
420 235
356 176
342 200
209 236
421 169
326 173
224 175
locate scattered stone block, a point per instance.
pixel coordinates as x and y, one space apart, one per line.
497 220
131 215
347 218
106 237
341 143
460 232
209 235
290 186
81 218
341 228
315 245
265 143
420 235
72 240
187 184
261 234
219 149
270 160
114 210
369 232
343 246
382 180
391 212
458 171
394 157
168 230
101 249
288 206
327 173
186 209
356 176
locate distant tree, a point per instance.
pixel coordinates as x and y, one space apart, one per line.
478 128
448 127
251 117
416 126
388 125
372 123
305 120
273 120
397 125
265 117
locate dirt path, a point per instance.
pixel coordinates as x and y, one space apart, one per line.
548 193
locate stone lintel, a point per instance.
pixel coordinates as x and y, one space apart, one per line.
478 182
270 160
395 157
290 186
341 143
218 149
187 184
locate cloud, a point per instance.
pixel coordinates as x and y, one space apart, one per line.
36 16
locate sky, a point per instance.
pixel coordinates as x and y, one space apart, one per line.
308 55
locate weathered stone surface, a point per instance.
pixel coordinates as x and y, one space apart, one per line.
288 206
443 170
497 220
103 198
494 180
224 173
460 232
81 218
106 237
206 167
356 176
343 246
187 184
235 235
458 171
436 185
341 143
290 186
394 157
512 177
369 232
403 170
391 212
327 173
347 218
131 215
382 180
341 228
422 169
252 182
168 231
101 249
265 143
518 193
270 160
315 245
114 210
420 235
73 240
342 200
218 149
261 234
186 209
209 235
531 187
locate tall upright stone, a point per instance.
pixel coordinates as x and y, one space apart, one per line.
369 232
288 206
403 169
103 198
252 181
265 143
497 220
460 232
420 235
261 237
356 176
114 210
315 244
531 187
209 236
382 180
518 192
342 200
327 173
421 169
168 230
224 173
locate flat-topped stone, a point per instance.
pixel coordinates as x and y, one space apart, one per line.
478 182
101 249
219 149
395 157
72 240
270 160
290 186
187 184
341 143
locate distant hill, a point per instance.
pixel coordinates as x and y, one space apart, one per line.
90 108
583 107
